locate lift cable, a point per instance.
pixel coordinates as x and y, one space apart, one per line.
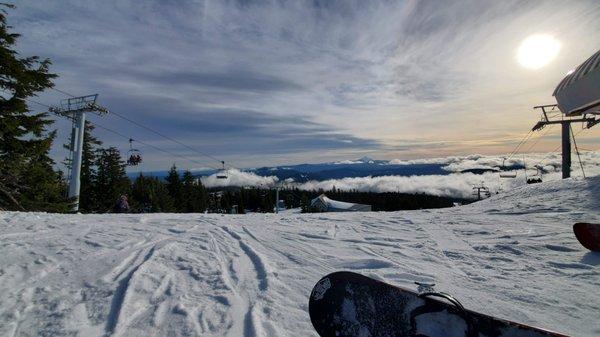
539 138
521 143
556 149
150 145
153 131
577 151
526 139
38 103
139 141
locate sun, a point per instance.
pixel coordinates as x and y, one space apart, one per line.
537 51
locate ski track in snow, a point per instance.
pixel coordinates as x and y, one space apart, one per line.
512 256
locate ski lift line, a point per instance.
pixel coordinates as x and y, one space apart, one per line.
556 149
577 151
539 138
150 145
521 143
129 138
166 137
38 103
62 92
153 131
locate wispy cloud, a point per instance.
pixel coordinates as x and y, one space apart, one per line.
239 178
254 80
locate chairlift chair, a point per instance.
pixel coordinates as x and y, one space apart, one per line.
536 178
134 156
507 174
510 174
222 173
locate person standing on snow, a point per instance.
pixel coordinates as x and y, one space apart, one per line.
122 205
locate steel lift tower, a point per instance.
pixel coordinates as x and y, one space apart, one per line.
565 123
75 109
578 101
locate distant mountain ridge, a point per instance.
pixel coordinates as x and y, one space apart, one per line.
325 171
362 167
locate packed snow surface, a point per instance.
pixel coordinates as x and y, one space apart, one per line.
513 256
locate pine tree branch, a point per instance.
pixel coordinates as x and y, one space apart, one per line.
11 198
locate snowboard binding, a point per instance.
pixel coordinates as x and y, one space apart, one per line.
424 287
426 290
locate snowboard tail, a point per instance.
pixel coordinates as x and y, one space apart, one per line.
344 304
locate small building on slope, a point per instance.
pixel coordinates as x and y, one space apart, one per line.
323 204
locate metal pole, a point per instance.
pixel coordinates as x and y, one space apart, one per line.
566 150
74 184
70 162
276 200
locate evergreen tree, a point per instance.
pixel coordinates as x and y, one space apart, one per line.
87 196
149 194
267 202
305 203
289 201
193 194
202 197
175 188
111 181
225 202
190 203
241 202
27 177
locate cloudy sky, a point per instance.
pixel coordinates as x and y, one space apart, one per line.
282 82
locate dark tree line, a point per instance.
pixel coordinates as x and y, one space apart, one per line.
263 200
107 181
390 201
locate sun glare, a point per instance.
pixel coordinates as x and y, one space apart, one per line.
536 51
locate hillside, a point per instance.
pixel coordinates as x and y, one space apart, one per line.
513 256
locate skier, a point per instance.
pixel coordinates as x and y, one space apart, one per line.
122 205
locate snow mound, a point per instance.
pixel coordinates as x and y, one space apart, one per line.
553 196
512 256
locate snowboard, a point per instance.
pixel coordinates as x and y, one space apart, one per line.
588 234
344 304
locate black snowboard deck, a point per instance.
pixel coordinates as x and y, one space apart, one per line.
345 304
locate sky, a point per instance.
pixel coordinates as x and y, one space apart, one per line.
264 83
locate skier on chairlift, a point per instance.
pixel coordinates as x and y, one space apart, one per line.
134 156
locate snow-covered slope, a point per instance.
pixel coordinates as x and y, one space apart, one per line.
512 256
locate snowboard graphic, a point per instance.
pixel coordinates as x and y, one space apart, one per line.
344 304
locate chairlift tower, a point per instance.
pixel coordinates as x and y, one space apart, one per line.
75 109
578 100
480 191
565 123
